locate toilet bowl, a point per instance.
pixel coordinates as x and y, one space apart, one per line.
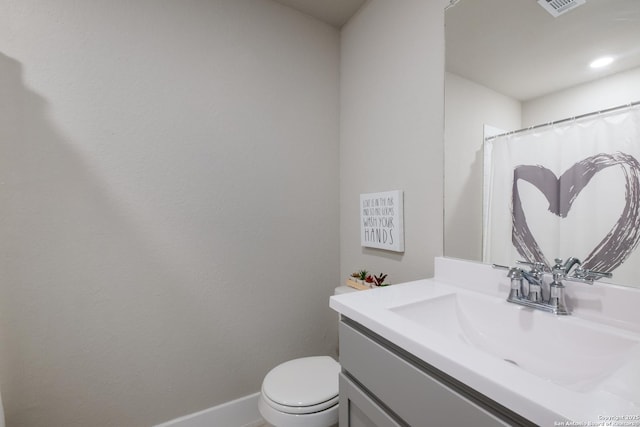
302 392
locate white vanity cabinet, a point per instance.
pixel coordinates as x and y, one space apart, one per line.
383 385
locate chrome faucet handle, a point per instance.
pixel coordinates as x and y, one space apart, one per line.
562 268
534 279
525 284
512 273
560 271
587 276
535 266
516 275
517 278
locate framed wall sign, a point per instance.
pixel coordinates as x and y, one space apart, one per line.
381 220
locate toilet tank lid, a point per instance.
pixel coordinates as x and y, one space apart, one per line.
344 290
303 382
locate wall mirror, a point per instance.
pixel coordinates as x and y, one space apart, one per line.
512 64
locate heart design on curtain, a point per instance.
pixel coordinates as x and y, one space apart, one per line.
561 192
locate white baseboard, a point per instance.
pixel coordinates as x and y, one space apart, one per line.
237 413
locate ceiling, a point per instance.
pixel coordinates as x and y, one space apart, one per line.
517 48
334 12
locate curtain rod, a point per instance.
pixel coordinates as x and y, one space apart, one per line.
608 110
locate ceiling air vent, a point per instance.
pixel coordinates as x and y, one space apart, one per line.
558 7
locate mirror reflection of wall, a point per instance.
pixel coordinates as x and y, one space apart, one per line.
511 64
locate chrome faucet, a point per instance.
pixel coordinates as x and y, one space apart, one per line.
534 278
560 272
526 286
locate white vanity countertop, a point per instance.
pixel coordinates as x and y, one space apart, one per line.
607 308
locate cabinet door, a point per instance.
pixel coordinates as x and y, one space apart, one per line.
359 410
405 388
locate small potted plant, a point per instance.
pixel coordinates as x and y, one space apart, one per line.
362 275
379 280
360 280
370 281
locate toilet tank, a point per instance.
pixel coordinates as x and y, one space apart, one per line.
343 290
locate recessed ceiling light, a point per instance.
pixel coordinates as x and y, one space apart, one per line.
601 62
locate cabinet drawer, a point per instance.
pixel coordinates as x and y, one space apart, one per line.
359 410
405 388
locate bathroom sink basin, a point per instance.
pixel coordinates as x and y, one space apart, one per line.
571 352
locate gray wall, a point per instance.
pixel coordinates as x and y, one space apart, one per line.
168 204
610 91
468 107
391 130
172 190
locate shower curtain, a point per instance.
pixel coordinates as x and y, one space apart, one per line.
569 189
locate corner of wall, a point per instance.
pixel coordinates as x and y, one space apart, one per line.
391 132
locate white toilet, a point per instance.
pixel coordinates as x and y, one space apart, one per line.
302 392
